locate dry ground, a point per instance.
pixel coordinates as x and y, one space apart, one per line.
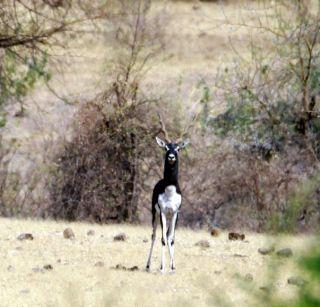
198 42
210 276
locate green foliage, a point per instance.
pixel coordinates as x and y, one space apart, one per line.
204 101
310 264
272 98
19 76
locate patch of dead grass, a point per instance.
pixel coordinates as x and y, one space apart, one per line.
203 276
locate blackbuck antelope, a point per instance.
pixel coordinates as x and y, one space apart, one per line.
166 199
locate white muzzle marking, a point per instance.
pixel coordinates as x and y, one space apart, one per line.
171 157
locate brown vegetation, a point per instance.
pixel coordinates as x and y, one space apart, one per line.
248 161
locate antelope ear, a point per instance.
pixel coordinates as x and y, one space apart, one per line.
183 144
160 142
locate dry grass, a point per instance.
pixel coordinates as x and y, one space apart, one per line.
204 276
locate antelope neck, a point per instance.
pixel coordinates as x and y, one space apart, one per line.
171 172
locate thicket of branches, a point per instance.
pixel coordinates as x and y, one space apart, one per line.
29 30
255 165
272 123
98 175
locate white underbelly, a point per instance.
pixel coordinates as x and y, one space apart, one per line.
169 201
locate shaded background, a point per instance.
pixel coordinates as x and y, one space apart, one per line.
82 81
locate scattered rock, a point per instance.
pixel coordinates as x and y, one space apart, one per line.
203 243
123 268
240 256
285 252
248 277
59 260
120 237
48 267
19 248
120 267
236 236
297 281
25 236
266 250
68 234
37 270
266 289
215 232
24 291
10 268
145 240
217 272
91 232
99 264
134 268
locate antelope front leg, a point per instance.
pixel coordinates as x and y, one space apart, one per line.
171 239
163 241
153 238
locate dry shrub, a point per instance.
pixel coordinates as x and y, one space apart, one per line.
11 198
97 172
239 189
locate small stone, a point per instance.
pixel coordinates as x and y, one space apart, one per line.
120 237
25 236
91 232
120 267
134 268
285 252
99 264
236 236
10 268
24 291
266 289
240 256
19 248
68 234
215 232
145 241
59 260
297 281
217 272
248 277
266 250
37 270
203 243
48 267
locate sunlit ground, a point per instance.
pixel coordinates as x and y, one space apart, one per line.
214 275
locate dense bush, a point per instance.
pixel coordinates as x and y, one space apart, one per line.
97 172
272 121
